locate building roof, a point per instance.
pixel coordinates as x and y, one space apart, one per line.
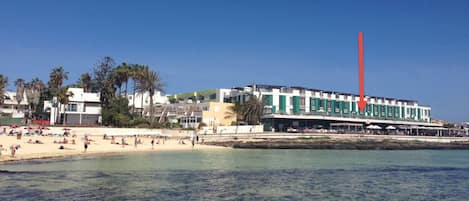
264 86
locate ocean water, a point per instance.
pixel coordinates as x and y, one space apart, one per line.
243 175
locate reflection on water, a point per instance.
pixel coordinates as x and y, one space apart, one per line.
234 175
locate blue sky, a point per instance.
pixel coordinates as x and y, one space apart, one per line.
413 49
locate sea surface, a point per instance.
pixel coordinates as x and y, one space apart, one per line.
243 175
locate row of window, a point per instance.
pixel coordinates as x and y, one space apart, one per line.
343 107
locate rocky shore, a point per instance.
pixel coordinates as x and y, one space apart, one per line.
344 144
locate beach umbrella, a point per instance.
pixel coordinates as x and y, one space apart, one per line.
67 129
390 128
14 126
373 127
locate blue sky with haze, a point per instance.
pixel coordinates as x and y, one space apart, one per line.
413 49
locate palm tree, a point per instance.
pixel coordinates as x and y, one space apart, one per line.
140 84
253 110
235 111
19 83
121 76
135 74
3 84
150 82
57 77
63 96
37 88
85 82
33 92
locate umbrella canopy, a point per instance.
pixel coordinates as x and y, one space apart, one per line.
373 127
28 128
390 128
67 129
14 126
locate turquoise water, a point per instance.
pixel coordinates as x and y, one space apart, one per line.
243 175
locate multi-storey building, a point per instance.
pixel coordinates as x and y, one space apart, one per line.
11 107
286 107
83 108
140 102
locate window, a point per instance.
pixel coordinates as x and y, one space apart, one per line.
312 103
72 107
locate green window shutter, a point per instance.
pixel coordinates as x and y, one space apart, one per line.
354 107
317 104
403 112
282 106
341 107
379 111
419 114
274 109
325 105
333 106
271 100
296 105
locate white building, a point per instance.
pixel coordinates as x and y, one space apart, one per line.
83 109
144 104
303 107
10 106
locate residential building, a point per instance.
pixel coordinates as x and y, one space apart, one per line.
10 106
83 108
140 102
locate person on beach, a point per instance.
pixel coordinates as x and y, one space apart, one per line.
113 140
13 149
1 149
123 142
193 141
152 143
85 144
135 141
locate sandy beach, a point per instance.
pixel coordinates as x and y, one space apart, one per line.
97 146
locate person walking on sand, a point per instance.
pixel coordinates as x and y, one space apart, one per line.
193 140
135 141
152 143
123 142
85 144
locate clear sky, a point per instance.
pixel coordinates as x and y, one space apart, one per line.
413 49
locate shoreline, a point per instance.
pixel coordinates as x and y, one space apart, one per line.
103 147
327 143
48 147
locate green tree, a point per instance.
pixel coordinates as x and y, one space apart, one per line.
104 83
253 110
150 82
19 83
118 113
63 97
3 84
121 75
235 111
85 82
56 79
33 92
